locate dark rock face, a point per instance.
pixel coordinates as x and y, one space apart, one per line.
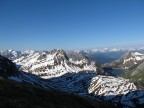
7 67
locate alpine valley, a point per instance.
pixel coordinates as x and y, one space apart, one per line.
72 79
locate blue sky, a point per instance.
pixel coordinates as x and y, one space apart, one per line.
70 24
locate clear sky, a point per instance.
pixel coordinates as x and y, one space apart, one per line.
70 24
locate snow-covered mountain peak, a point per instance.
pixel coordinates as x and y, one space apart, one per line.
133 56
10 50
10 53
138 54
116 49
128 60
110 86
28 51
56 63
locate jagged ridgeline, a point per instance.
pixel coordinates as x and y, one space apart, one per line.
56 63
128 61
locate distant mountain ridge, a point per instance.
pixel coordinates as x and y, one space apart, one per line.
11 54
107 55
132 63
128 61
116 49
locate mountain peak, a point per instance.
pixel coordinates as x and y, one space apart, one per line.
127 61
56 63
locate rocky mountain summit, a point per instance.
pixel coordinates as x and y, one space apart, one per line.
56 63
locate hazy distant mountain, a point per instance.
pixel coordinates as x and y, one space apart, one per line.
102 56
107 55
127 61
11 54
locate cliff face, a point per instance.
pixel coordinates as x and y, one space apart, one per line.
7 67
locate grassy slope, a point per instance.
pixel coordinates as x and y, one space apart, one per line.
136 73
137 77
20 95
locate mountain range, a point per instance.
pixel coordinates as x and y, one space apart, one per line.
128 61
71 72
56 63
132 63
24 90
107 55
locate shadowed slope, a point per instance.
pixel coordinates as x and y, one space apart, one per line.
21 95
